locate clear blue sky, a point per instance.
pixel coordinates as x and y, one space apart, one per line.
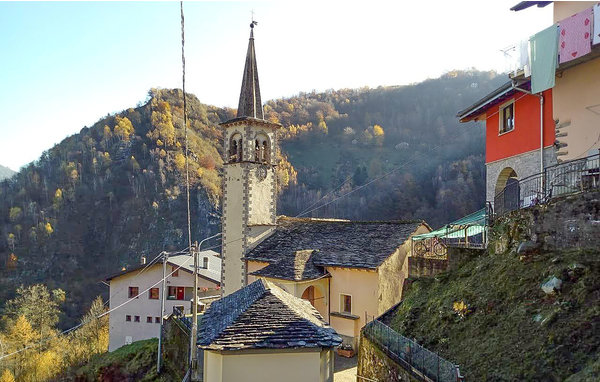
65 65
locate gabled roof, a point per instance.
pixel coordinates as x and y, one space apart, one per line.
263 316
212 273
298 267
339 243
480 107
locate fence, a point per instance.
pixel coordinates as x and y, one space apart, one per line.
578 175
421 362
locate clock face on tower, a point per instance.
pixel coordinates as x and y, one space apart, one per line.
261 172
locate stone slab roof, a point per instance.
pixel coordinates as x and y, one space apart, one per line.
263 316
297 267
212 273
338 243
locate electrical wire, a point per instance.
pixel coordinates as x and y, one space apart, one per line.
413 159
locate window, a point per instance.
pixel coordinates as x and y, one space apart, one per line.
157 320
507 117
153 294
133 292
149 319
175 271
345 303
176 293
262 151
205 263
235 148
128 318
136 319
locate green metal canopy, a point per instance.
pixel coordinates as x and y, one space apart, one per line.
470 225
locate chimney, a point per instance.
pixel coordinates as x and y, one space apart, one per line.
143 260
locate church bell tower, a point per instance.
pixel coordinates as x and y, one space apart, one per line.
249 183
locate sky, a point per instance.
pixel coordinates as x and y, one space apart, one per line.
65 65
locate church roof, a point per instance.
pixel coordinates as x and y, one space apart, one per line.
263 316
250 104
298 267
338 243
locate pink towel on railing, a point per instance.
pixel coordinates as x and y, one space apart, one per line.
575 36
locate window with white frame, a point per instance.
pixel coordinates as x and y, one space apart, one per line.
507 117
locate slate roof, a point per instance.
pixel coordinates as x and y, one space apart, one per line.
297 267
212 273
339 243
263 316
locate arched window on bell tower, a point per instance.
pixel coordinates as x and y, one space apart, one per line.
235 148
262 149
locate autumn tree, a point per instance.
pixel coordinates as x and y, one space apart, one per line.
123 129
162 121
37 305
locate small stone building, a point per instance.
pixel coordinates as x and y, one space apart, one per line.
262 333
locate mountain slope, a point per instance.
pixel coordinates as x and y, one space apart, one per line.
6 172
102 198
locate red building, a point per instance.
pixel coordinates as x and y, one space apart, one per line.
514 149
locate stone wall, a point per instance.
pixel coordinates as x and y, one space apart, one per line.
425 267
525 165
377 366
568 222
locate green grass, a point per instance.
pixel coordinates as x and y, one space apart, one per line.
135 362
512 330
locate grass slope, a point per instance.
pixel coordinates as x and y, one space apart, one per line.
135 362
511 331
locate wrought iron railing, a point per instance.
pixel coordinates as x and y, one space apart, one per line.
420 362
566 178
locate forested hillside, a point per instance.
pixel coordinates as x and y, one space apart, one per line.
5 172
102 198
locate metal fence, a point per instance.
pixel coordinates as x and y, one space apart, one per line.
578 175
413 357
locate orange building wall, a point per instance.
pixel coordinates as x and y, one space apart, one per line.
525 136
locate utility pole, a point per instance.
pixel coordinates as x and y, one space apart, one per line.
194 332
165 256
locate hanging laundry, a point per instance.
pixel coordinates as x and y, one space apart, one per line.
543 47
524 57
575 36
596 33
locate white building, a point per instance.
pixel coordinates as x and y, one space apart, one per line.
139 319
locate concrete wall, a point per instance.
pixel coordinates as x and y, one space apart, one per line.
577 109
143 306
525 165
296 365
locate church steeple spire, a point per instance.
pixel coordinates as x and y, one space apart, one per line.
250 104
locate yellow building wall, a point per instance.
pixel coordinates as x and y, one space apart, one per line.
564 9
254 266
362 286
576 99
392 273
264 366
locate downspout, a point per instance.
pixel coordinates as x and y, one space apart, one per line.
541 97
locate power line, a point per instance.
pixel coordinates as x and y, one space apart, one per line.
414 158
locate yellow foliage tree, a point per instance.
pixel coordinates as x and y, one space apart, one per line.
378 131
48 228
123 129
162 120
7 376
179 161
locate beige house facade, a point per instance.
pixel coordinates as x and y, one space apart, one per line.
576 95
139 292
261 333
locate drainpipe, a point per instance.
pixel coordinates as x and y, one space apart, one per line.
541 97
